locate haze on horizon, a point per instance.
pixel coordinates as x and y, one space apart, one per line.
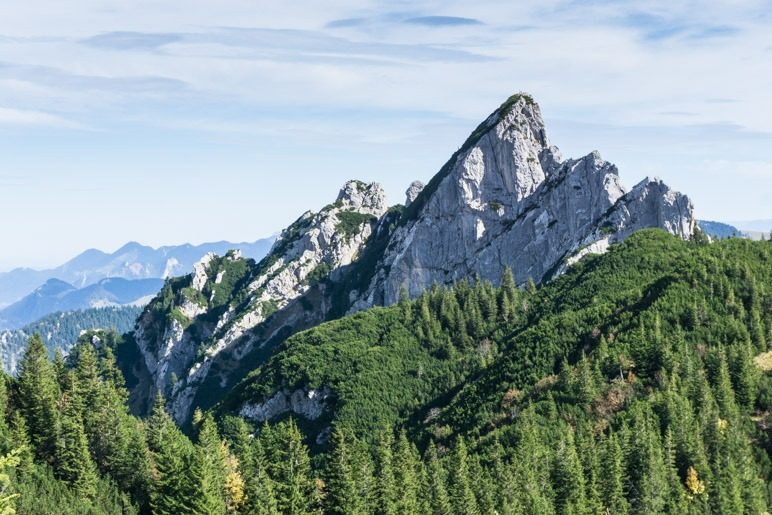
178 122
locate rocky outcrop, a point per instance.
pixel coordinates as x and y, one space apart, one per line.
506 199
229 308
415 189
310 404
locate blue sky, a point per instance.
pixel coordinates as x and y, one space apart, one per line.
190 121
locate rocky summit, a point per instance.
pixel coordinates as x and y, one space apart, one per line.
505 199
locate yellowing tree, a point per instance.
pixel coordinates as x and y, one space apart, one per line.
693 483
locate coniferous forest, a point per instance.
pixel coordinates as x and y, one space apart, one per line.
637 382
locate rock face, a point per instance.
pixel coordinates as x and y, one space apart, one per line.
506 199
204 326
415 189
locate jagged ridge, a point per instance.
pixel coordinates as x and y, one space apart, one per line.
505 199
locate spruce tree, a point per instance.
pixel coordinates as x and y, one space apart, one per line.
73 463
406 476
175 479
462 496
212 458
342 492
438 492
296 489
612 483
38 393
386 492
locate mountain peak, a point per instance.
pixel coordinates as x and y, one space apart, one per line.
54 287
359 196
504 200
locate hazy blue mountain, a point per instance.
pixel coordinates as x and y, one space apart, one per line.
61 330
132 261
754 225
719 230
56 295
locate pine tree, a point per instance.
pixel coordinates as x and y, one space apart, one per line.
438 492
461 493
676 500
590 460
482 485
504 481
38 393
342 492
406 476
612 484
7 499
18 440
744 374
386 492
648 476
531 476
296 489
73 462
60 370
507 296
261 496
568 477
212 458
175 479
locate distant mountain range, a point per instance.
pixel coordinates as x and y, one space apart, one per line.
132 261
719 230
754 225
56 295
753 229
61 331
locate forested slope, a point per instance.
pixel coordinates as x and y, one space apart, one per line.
639 382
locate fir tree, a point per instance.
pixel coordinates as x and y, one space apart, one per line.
212 459
386 492
406 475
342 492
461 494
438 492
38 392
73 462
296 489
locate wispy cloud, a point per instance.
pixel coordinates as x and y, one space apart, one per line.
721 100
61 79
396 19
678 113
131 40
280 44
10 116
443 21
656 28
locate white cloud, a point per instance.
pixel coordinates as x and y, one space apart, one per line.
263 94
35 118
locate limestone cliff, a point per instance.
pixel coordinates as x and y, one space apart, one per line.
204 328
505 199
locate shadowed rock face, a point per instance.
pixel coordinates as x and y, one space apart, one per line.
229 308
506 199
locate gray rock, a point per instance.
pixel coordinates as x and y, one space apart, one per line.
506 199
311 247
416 187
